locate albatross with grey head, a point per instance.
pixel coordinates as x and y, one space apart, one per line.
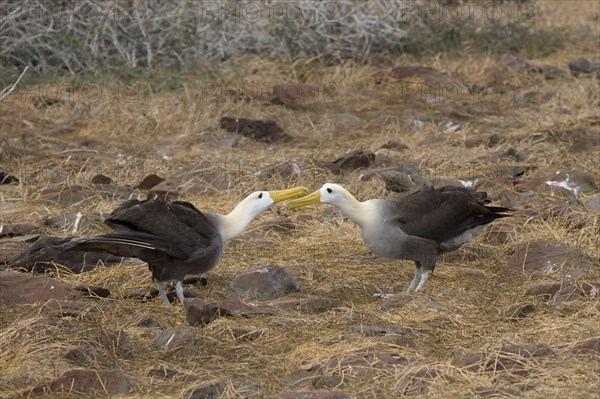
418 226
175 238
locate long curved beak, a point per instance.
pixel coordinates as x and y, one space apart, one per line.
312 198
282 195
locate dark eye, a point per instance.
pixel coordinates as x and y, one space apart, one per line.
329 190
260 195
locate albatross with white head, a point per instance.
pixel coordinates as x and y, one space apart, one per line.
419 226
175 238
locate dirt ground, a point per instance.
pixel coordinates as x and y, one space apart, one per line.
467 307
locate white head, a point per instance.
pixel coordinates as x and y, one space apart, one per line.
329 193
252 206
336 195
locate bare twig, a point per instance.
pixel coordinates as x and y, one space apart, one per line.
7 90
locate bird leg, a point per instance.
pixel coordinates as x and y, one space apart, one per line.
179 291
424 278
161 288
413 283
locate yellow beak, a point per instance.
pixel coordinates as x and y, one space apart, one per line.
312 198
282 195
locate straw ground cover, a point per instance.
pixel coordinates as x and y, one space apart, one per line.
464 308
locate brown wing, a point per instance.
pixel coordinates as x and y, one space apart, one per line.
440 214
175 228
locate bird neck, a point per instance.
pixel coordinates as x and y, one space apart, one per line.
234 222
361 213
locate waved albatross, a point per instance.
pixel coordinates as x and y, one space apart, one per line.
418 226
175 238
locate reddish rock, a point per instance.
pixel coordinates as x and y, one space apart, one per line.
546 257
16 229
107 382
565 290
559 182
199 311
590 345
22 288
588 141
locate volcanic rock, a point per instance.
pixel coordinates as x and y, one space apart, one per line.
269 281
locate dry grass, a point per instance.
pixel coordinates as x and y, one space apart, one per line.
328 256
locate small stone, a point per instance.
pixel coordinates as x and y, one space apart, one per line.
269 281
101 179
354 160
176 338
149 182
199 311
520 311
583 66
267 131
394 145
211 390
592 203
